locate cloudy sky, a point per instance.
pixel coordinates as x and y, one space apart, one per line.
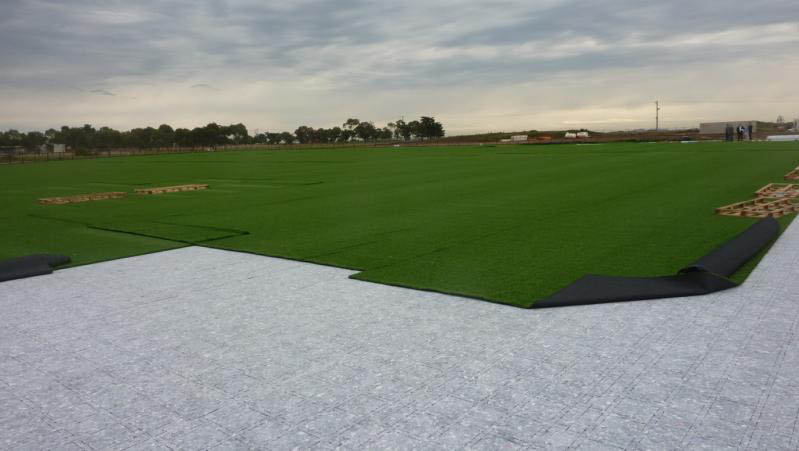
474 65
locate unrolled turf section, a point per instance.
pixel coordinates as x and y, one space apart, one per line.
510 224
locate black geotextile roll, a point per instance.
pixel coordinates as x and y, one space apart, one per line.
32 265
705 276
735 253
593 289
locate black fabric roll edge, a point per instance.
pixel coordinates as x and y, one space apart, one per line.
31 265
707 275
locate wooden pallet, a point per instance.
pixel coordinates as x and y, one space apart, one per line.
171 189
760 208
81 198
793 175
779 191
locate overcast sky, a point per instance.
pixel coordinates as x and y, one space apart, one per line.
474 65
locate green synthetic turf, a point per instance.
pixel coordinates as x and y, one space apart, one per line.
510 224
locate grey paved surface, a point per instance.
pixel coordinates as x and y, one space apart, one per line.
199 348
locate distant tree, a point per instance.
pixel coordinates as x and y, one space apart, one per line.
366 131
334 134
11 138
304 134
287 138
429 128
319 135
350 124
346 135
235 134
199 137
402 130
260 138
165 136
144 138
183 137
33 140
214 135
385 133
107 137
415 129
78 138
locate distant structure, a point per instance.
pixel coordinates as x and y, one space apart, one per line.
657 115
515 139
12 150
782 138
573 135
718 128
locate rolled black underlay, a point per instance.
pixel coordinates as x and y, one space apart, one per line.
735 253
707 275
32 265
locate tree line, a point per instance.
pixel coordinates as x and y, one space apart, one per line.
212 135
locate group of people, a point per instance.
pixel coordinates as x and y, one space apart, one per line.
741 132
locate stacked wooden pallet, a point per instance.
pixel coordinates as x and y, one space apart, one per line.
774 199
119 194
171 189
81 198
779 191
761 207
793 175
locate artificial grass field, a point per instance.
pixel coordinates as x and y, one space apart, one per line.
510 224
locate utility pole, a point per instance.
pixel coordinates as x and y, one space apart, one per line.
657 115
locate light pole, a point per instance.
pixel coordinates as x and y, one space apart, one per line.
657 115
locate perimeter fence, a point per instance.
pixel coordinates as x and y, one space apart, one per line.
82 154
36 157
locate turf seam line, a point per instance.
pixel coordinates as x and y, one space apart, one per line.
129 232
236 232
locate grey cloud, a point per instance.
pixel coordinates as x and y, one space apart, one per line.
612 20
102 92
96 41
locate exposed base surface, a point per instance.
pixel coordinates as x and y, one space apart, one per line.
198 347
